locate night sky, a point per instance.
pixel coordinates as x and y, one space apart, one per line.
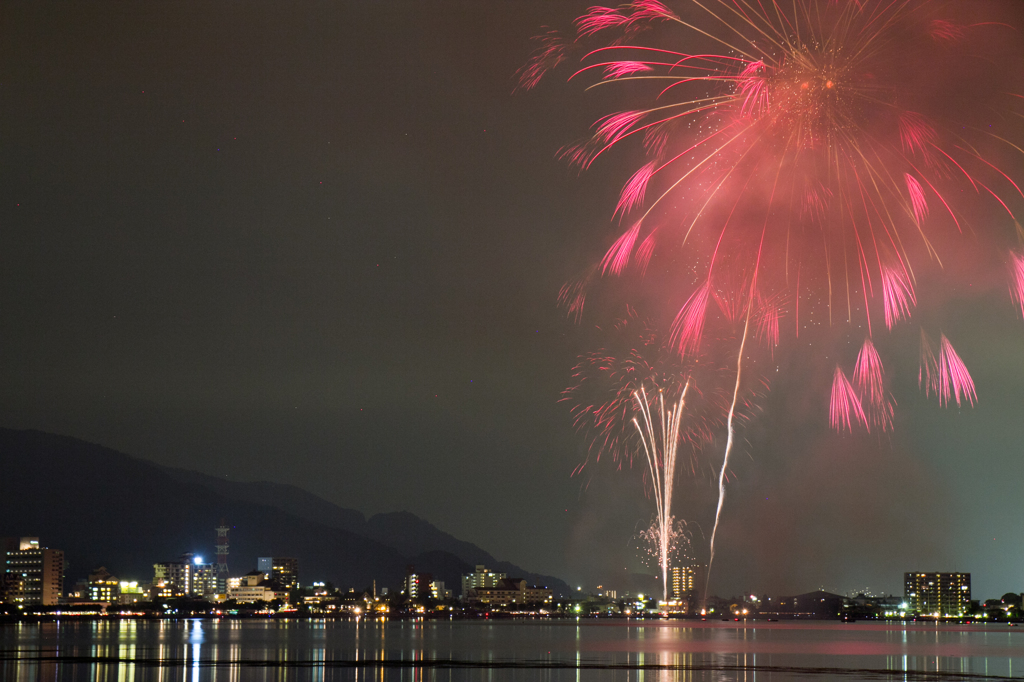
321 243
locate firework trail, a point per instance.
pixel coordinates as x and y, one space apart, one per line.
800 155
660 441
730 438
638 396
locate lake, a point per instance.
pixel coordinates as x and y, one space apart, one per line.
506 650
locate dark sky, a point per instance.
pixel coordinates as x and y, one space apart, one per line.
320 243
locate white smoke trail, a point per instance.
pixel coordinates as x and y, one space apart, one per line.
664 440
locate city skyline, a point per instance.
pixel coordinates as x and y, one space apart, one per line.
32 584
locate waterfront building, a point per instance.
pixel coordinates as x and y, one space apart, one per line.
938 594
190 576
683 580
253 587
281 569
130 592
37 574
481 577
103 587
172 579
356 603
204 578
418 585
12 588
508 592
438 590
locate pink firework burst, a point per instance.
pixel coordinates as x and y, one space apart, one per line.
945 374
688 326
869 378
790 155
802 151
918 203
618 256
844 409
1017 279
897 294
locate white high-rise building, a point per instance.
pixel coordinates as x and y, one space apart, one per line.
481 577
35 574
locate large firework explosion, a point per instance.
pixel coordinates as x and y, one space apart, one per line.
807 158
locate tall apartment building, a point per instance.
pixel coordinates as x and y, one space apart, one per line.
172 579
684 580
418 585
281 569
35 575
204 578
190 576
481 577
944 594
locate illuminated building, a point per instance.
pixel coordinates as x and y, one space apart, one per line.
481 577
684 579
204 578
253 587
103 587
129 592
38 574
685 583
937 594
417 585
188 577
172 579
509 592
281 569
12 588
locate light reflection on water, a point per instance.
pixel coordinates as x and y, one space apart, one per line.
502 651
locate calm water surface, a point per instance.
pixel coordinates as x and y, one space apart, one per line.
502 651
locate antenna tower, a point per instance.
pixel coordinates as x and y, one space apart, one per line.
222 557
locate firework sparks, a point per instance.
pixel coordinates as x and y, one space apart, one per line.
869 377
845 407
666 542
944 374
640 397
802 122
659 436
1017 279
789 148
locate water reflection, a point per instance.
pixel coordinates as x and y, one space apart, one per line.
559 651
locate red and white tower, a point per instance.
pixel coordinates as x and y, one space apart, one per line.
222 557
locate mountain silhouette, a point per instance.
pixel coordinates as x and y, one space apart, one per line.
106 508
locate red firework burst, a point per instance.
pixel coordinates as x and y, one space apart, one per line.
839 147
